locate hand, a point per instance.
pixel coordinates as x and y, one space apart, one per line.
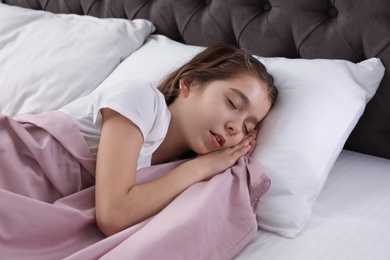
218 161
252 143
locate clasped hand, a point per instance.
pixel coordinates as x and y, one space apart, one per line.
218 161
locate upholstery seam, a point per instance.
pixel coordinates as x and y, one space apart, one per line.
347 45
67 4
89 8
245 26
211 16
269 26
29 3
333 3
280 40
44 5
189 19
223 33
307 35
138 9
386 44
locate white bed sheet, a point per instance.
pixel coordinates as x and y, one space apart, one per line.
351 218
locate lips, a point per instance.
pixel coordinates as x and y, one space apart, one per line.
218 140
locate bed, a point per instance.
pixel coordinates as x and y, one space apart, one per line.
325 146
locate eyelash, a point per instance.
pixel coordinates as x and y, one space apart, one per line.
235 108
232 104
246 130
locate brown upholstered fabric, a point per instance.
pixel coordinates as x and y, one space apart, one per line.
345 29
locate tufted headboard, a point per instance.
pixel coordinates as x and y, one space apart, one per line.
344 29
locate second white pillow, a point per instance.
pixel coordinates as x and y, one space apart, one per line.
48 60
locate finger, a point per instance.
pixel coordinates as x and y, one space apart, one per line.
255 132
244 143
252 145
240 151
248 139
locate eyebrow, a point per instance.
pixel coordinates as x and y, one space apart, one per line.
246 101
241 94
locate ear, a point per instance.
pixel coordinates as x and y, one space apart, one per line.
185 86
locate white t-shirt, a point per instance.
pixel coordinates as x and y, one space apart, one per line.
139 101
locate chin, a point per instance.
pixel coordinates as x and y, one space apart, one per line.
201 150
206 151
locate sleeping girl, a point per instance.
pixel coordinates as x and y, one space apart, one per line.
211 106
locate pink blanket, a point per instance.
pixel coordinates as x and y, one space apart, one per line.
47 202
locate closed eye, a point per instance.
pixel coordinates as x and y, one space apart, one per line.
232 104
245 129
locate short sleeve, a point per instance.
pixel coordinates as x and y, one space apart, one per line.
139 101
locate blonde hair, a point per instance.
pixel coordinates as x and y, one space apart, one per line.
218 62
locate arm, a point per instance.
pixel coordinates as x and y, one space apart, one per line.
120 203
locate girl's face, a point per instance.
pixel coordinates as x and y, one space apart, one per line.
220 113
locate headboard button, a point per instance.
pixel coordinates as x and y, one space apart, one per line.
267 7
332 11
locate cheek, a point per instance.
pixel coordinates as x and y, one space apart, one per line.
235 140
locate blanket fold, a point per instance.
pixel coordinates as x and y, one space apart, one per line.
47 202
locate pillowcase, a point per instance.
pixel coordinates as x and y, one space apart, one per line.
48 60
152 63
320 102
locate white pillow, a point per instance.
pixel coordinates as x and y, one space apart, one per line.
152 63
48 60
320 102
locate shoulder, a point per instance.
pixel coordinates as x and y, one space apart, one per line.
142 86
138 100
132 90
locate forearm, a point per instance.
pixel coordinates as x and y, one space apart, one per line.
121 209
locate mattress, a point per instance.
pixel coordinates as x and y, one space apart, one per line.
351 218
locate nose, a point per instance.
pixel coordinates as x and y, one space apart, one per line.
233 128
